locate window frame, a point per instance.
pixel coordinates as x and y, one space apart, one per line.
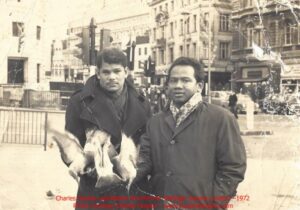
224 22
38 32
18 29
224 52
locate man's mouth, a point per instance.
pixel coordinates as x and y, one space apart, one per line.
178 94
112 84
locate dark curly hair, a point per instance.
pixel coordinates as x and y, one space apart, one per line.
111 56
185 61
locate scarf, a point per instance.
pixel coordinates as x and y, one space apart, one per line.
185 110
118 102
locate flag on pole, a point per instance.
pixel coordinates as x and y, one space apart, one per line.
261 55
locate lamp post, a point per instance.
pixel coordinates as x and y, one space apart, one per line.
207 18
209 56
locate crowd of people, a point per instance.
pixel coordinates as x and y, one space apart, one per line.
156 96
188 149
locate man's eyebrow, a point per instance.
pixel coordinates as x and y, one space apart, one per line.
180 77
117 69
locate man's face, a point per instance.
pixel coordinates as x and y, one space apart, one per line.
112 77
182 84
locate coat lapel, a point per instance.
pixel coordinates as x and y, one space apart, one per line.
98 110
170 121
135 113
170 124
191 118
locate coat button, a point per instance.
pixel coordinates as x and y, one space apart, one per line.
172 141
169 173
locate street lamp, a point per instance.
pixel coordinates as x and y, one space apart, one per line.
208 18
209 56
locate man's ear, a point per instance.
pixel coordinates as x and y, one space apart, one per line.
126 71
98 73
200 85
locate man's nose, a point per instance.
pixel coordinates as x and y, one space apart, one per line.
178 84
112 76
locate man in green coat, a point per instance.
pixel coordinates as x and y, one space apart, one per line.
192 150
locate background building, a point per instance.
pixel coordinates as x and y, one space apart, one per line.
24 54
117 23
180 28
266 47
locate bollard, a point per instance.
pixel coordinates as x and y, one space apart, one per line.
250 114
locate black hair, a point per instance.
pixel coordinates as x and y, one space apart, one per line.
185 61
111 56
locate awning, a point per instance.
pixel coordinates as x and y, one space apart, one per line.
249 80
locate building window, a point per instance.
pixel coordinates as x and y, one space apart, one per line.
154 33
188 25
299 36
17 28
154 11
160 8
224 22
38 66
154 55
249 35
171 54
172 5
64 44
140 51
205 50
188 50
257 37
38 32
195 23
224 50
145 51
171 30
161 56
290 33
272 34
194 50
246 3
15 71
181 50
162 31
181 27
166 6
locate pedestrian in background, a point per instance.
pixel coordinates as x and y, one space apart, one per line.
192 149
110 103
233 104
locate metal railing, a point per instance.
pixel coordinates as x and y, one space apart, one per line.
20 126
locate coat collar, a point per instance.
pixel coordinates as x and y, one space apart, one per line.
172 124
98 109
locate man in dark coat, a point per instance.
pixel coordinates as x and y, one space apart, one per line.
232 104
192 150
110 103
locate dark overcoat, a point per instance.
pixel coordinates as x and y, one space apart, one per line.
91 107
202 159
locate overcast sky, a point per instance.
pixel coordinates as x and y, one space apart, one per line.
63 12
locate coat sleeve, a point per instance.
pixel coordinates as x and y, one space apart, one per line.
73 123
144 162
231 158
